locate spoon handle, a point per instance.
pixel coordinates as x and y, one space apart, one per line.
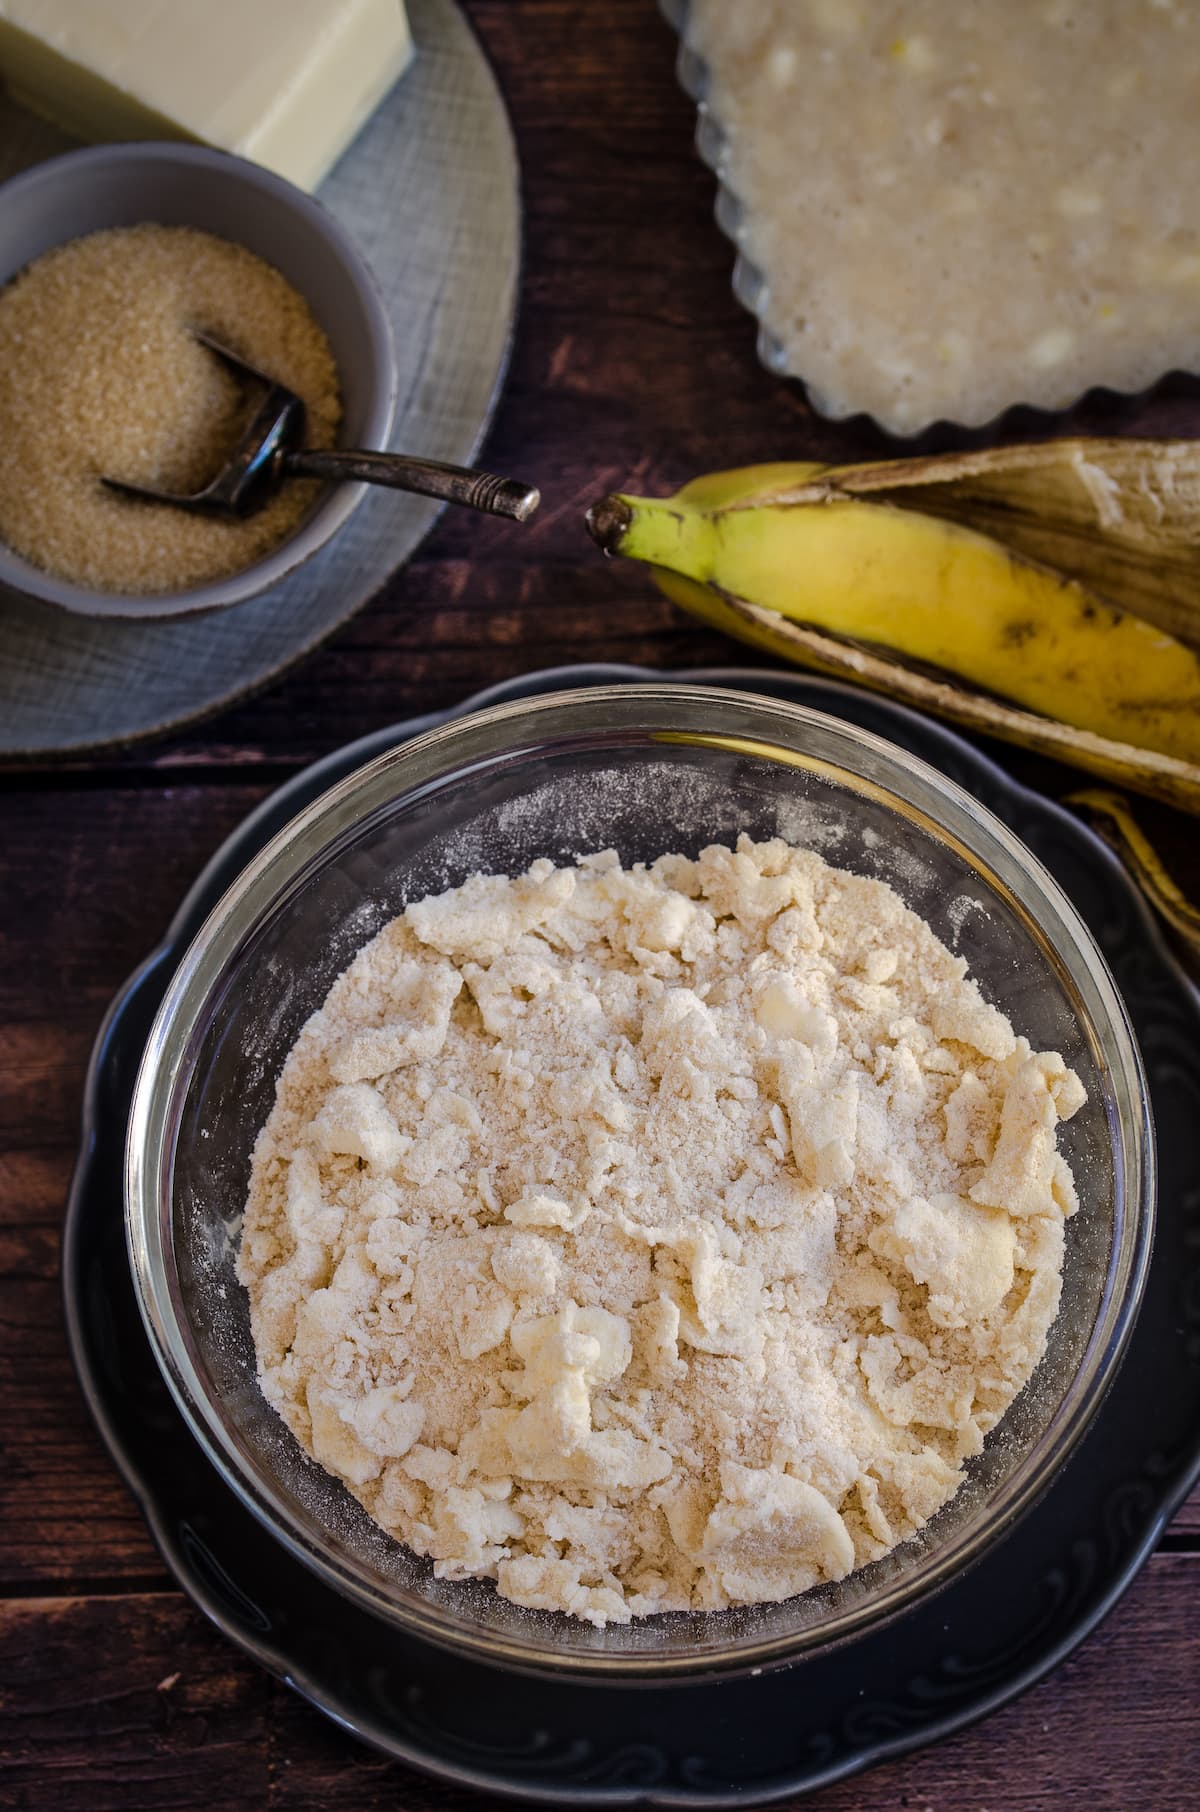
450 484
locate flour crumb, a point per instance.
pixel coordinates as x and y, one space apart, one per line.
656 1238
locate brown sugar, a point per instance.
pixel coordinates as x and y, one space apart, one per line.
100 375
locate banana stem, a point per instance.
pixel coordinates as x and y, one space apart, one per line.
608 523
662 532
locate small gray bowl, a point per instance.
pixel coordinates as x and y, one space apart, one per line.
188 185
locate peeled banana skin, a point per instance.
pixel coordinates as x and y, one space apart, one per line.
1110 816
882 594
1122 516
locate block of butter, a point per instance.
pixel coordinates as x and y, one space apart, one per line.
285 82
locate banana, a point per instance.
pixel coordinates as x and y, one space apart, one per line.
780 556
1122 516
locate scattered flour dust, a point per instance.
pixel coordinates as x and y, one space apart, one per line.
656 1238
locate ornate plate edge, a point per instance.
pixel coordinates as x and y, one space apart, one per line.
271 1657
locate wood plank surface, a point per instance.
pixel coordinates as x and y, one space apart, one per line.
634 367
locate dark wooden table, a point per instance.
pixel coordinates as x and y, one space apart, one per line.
633 367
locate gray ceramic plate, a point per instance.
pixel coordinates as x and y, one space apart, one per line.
429 191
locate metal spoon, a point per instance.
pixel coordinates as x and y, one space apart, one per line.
270 451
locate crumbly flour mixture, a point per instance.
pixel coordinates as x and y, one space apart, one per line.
656 1238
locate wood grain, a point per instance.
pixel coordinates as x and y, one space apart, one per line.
634 367
128 1701
91 881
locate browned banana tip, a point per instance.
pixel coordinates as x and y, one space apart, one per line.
608 522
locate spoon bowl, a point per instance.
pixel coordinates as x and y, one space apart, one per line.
271 450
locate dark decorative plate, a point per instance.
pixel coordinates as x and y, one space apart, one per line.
988 1634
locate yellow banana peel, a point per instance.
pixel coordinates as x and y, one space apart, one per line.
925 609
1123 516
1111 817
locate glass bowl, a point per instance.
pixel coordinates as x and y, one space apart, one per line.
643 769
